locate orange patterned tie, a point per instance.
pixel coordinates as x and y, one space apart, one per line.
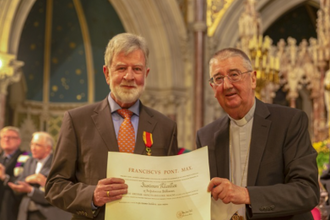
126 136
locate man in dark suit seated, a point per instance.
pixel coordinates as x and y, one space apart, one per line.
31 182
77 181
10 143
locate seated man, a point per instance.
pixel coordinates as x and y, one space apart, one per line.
30 183
11 157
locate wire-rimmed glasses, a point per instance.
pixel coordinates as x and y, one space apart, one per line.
233 76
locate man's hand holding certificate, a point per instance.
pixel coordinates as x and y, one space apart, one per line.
162 188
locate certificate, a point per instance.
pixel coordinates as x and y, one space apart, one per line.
161 187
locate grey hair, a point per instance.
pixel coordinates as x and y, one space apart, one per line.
233 52
11 128
47 137
127 43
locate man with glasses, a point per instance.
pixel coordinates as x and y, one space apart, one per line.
31 182
10 141
260 155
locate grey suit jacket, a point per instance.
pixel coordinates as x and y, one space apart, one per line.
38 196
282 174
80 160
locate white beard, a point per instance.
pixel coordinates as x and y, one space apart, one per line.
127 95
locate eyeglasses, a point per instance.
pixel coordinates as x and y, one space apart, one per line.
233 76
10 137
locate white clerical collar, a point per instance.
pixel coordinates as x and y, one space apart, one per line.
246 118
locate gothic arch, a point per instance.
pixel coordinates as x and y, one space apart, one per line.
169 83
23 10
227 34
161 23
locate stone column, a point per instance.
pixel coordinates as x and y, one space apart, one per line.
199 29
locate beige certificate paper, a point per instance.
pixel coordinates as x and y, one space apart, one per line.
162 188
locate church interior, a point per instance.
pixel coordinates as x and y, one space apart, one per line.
52 51
51 57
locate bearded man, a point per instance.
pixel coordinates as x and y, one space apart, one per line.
77 181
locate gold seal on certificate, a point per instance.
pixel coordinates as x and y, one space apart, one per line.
236 216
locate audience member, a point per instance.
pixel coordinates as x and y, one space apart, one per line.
31 182
10 143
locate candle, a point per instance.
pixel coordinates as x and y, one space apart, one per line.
264 60
260 41
251 44
277 64
321 57
271 62
256 65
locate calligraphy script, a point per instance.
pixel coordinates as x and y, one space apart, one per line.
172 187
161 188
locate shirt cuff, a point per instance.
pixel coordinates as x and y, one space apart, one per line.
94 207
6 179
31 193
